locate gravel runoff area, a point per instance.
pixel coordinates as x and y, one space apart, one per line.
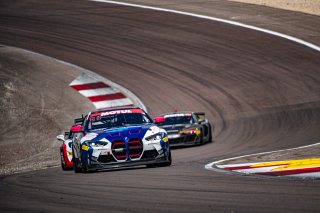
305 6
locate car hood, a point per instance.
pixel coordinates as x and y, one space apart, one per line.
121 133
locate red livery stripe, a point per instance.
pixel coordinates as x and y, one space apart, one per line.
107 97
291 172
90 86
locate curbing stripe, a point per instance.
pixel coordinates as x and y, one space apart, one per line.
108 97
93 89
97 85
114 103
278 168
97 92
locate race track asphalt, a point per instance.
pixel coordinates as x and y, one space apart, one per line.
261 92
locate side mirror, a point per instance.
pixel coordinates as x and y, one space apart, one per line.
60 138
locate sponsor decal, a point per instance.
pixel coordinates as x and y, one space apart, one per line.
154 129
198 132
84 147
120 150
116 112
165 139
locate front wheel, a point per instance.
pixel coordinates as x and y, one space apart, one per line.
76 166
63 163
201 142
83 165
210 134
169 160
162 164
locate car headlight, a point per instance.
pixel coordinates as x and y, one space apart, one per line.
157 136
95 143
191 131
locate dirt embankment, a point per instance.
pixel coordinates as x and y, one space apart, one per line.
36 105
305 6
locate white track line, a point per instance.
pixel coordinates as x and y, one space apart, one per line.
288 37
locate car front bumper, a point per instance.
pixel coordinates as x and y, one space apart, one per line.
183 139
95 165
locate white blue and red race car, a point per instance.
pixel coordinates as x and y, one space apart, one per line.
66 147
119 137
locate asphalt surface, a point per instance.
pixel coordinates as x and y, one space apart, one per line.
261 92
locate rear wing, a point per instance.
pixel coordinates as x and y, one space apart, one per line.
200 113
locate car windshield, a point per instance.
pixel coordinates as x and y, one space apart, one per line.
117 119
172 120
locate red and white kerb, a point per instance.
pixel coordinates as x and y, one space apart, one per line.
99 93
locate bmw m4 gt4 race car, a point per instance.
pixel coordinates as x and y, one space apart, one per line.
66 147
185 128
119 137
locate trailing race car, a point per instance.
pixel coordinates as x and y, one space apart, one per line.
119 137
66 147
185 128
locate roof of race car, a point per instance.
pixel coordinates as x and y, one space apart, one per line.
181 113
178 112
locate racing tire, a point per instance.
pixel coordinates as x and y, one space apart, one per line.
167 163
210 134
76 163
170 160
201 142
83 166
63 163
161 164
